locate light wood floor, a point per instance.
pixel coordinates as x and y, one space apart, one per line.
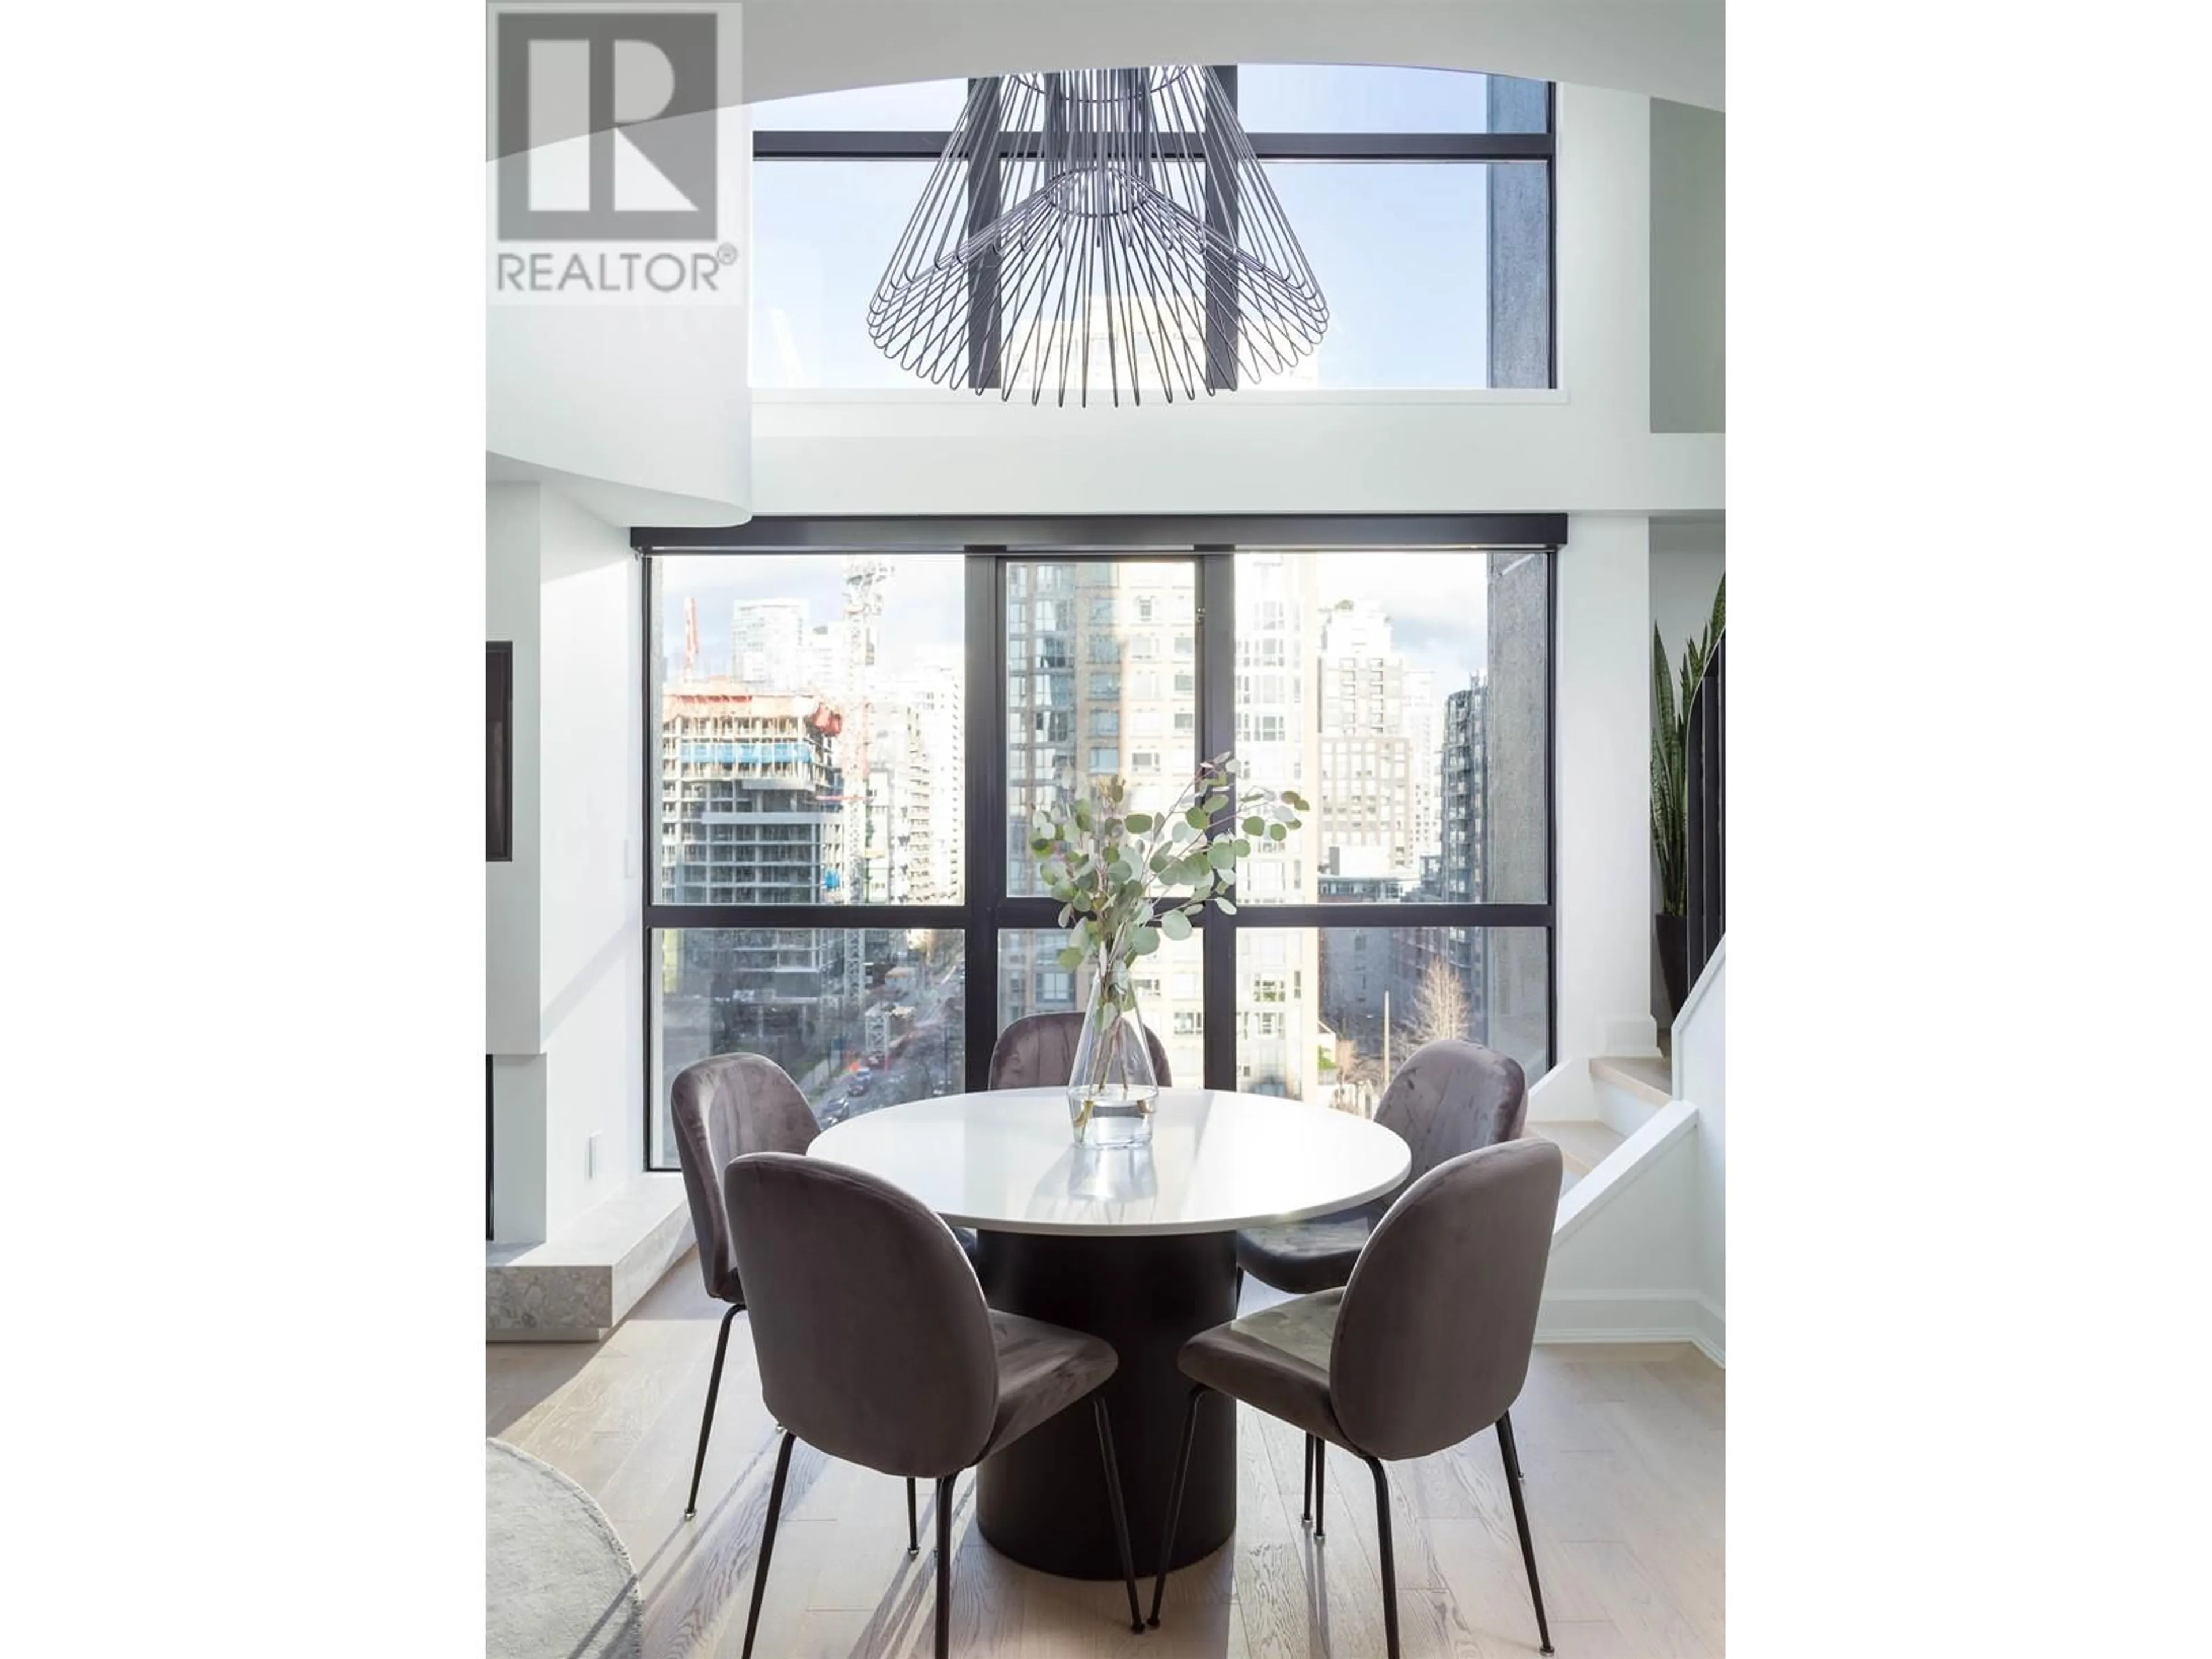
1621 1449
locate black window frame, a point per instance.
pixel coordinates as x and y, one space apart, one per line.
987 546
861 144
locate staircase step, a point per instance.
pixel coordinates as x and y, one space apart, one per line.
1584 1144
1646 1077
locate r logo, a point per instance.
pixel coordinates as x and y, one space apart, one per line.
606 126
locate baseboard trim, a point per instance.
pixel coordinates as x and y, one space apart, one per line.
1634 1316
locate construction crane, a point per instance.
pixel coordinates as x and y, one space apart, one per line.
867 575
690 638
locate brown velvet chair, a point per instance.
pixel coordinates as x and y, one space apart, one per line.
875 1345
1037 1051
1427 1344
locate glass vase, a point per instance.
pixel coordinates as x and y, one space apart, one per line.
1112 1089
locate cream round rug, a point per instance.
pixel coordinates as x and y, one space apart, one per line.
557 1583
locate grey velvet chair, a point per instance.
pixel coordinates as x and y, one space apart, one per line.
724 1107
1037 1051
1426 1345
1450 1097
875 1345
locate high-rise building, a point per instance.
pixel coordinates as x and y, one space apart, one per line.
768 644
1369 767
822 663
1102 664
1279 1035
1441 970
749 782
932 691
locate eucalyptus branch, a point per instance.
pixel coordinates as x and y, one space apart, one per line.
1117 873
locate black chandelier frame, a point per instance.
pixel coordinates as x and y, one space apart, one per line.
905 144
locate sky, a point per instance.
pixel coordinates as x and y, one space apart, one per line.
1399 248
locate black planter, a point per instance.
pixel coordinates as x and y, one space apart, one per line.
1673 935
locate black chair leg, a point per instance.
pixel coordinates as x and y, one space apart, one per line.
1389 1565
707 1422
1120 1515
1174 1501
1305 1503
767 1539
1321 1485
913 1524
1521 1522
944 1566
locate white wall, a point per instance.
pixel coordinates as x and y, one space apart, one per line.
565 967
1689 238
637 407
1688 558
1604 789
1585 448
1701 1073
1669 47
591 968
511 887
1625 1267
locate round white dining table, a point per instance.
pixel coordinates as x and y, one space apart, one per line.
1136 1245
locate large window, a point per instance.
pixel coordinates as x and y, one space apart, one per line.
850 742
1423 199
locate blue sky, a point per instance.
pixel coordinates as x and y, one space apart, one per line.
1399 248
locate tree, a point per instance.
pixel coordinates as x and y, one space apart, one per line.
1440 1007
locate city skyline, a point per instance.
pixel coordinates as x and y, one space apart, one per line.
1435 600
811 777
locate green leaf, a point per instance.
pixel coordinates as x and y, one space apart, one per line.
1139 823
1145 941
1176 925
1225 907
1071 957
1195 817
1066 915
1297 799
1244 847
1254 826
1278 832
1222 854
1122 870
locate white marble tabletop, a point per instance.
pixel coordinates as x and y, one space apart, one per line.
1004 1161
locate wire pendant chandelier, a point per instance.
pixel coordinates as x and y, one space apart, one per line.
1105 233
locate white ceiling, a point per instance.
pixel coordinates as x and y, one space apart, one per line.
1666 48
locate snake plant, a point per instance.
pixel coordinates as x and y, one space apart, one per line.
1669 739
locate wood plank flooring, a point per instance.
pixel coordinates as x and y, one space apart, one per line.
1622 1448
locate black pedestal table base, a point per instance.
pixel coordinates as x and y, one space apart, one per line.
1041 1502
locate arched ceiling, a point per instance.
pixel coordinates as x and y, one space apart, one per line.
1666 48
